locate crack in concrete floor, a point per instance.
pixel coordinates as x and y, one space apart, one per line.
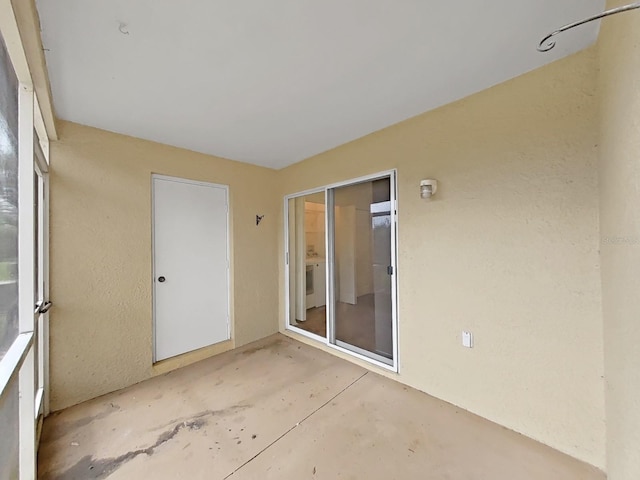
297 425
89 468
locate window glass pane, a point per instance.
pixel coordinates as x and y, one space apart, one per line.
363 307
36 359
41 237
40 352
8 202
36 244
9 429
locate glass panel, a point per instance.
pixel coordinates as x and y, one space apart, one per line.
307 264
40 237
9 428
8 202
40 353
362 245
36 245
36 360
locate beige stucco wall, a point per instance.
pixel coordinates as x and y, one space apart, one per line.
620 234
507 249
101 258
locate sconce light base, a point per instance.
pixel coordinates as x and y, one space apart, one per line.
428 188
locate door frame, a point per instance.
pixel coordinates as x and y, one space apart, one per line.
41 320
330 285
155 176
288 312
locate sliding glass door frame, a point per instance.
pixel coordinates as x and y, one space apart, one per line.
330 340
287 276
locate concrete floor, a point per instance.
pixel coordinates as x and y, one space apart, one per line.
278 409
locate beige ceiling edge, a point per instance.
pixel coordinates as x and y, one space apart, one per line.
28 23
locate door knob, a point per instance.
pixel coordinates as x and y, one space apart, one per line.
161 279
43 307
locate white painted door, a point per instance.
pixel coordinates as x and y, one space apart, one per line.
191 269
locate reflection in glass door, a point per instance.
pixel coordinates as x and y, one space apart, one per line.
363 262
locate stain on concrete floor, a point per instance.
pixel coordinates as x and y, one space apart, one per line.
91 468
278 409
64 428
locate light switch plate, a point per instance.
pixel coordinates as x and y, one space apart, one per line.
467 339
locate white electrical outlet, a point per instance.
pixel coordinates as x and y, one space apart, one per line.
467 339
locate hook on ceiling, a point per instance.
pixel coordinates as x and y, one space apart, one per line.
547 44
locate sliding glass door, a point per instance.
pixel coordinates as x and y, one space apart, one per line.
363 268
341 245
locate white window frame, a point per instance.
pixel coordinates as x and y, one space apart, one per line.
19 361
26 279
41 320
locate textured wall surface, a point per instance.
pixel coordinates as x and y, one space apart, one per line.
101 258
508 249
619 93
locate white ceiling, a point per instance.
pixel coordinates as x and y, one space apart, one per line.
274 82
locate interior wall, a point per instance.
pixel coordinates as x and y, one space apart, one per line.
360 196
101 257
314 223
364 253
314 227
508 248
619 166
